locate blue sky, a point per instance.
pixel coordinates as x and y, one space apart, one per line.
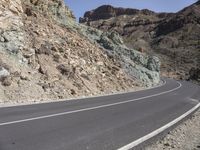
79 7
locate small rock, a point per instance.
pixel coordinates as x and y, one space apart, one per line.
23 77
45 49
166 144
2 39
28 12
53 48
66 70
173 146
73 92
4 72
29 53
7 81
42 70
57 57
85 76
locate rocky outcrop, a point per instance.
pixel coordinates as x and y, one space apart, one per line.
194 74
108 11
11 32
55 9
42 56
114 45
45 54
144 68
172 37
137 28
189 15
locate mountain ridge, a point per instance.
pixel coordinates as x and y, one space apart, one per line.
109 11
173 37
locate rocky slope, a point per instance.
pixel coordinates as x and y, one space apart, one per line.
173 37
45 54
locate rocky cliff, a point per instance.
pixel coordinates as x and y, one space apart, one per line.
45 54
173 37
108 11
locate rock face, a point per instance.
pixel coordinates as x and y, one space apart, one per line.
45 54
11 32
173 37
139 66
108 11
194 74
52 8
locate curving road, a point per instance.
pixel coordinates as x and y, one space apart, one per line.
119 121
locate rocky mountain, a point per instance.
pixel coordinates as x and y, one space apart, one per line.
173 37
45 54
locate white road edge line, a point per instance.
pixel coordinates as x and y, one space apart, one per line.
158 131
87 109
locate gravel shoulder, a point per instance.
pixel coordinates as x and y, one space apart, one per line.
184 137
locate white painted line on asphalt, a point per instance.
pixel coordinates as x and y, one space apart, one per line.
87 109
158 131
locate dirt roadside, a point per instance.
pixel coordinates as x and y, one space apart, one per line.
184 137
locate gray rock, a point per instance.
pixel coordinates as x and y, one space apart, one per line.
66 70
12 40
2 39
153 63
105 42
138 65
7 81
4 72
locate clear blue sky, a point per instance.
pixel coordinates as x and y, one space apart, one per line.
79 7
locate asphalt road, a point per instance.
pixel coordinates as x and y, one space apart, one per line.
101 123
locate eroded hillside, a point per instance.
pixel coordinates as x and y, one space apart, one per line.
45 54
173 37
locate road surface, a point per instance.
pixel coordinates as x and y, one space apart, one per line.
98 123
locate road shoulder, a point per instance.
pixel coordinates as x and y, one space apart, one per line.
185 136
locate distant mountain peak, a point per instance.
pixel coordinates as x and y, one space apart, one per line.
172 36
108 11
